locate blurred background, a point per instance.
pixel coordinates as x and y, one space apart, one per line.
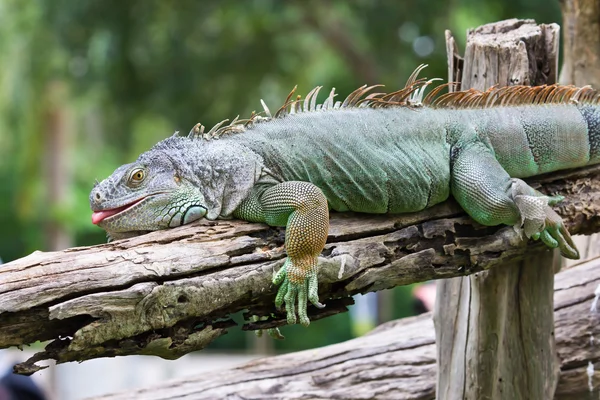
86 85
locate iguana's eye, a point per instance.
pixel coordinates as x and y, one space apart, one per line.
137 176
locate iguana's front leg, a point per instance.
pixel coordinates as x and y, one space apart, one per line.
302 208
489 195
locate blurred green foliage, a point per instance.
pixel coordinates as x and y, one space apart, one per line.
125 74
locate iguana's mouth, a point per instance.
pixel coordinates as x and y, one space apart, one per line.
99 216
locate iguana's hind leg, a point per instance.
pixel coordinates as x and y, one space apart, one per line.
302 208
489 195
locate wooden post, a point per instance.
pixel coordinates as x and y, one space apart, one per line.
581 66
495 329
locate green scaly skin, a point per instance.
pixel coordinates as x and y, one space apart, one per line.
289 170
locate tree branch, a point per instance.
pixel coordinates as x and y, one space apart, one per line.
171 292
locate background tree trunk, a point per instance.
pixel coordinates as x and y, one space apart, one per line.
495 329
57 165
581 40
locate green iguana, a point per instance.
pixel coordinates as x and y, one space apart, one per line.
377 153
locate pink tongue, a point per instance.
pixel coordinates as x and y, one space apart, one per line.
98 216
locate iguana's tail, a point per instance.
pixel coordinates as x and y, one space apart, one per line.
534 139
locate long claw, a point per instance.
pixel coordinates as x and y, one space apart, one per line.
313 291
556 228
570 252
567 247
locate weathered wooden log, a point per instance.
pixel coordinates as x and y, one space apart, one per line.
397 360
169 293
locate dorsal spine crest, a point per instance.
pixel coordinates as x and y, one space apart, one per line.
411 96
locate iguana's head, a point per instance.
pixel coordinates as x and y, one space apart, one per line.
147 195
178 181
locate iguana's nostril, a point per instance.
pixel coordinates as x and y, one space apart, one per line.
98 196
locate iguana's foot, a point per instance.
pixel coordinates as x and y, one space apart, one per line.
299 284
488 194
540 221
274 333
555 234
302 208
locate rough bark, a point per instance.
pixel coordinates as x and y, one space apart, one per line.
169 293
495 329
397 360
